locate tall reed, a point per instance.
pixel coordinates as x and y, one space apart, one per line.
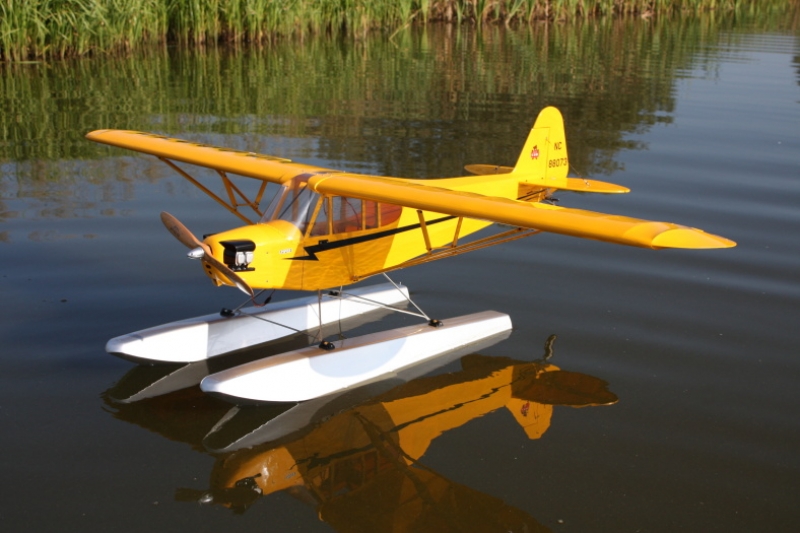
59 28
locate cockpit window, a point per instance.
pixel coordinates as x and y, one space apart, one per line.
293 203
297 203
338 214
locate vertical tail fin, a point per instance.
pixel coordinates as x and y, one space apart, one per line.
533 417
544 157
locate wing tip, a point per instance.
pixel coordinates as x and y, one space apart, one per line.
691 238
93 135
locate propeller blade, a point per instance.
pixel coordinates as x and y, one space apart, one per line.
230 274
180 232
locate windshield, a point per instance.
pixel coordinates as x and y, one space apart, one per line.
293 203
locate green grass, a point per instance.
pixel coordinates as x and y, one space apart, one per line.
32 29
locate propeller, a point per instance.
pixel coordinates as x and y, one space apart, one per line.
201 250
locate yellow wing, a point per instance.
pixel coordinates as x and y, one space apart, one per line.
545 217
268 169
249 164
541 167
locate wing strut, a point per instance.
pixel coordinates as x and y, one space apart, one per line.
457 232
229 186
441 253
424 228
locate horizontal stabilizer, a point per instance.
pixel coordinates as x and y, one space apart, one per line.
572 184
559 387
483 170
587 185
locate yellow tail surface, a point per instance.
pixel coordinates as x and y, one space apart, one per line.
544 157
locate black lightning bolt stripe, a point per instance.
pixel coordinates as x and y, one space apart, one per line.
324 246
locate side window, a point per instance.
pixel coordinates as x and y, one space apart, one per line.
339 214
389 213
294 203
346 214
370 210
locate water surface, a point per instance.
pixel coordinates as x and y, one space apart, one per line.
699 118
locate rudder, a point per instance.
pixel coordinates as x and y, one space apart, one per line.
544 156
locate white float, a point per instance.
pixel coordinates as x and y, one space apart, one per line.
314 372
200 338
239 429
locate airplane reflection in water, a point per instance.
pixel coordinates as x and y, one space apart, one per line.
357 460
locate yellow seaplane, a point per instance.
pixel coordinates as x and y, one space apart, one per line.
326 229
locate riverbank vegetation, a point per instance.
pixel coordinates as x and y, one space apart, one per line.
31 29
429 91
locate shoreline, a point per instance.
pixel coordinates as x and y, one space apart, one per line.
29 31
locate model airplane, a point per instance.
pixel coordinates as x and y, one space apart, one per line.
327 228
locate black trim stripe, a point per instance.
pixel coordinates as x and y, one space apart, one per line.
324 246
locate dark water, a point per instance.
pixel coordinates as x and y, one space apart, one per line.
701 119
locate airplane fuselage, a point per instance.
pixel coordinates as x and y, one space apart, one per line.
308 241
